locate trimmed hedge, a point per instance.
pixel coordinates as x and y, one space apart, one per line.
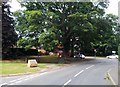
14 53
42 59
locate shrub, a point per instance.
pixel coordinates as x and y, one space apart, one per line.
14 53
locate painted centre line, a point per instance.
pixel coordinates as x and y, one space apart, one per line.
90 66
67 82
78 73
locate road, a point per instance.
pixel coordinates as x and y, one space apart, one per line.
91 71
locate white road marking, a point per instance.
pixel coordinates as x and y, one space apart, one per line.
25 79
22 79
13 81
90 66
78 73
68 82
12 84
18 81
3 84
43 73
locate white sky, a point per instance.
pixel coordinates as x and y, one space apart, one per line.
113 6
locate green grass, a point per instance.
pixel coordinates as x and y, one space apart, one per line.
15 68
19 66
47 56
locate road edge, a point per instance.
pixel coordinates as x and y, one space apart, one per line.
110 77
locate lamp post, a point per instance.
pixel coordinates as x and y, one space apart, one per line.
95 52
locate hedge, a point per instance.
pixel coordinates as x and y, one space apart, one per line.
119 51
14 53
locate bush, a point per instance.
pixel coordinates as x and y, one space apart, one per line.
48 59
42 59
119 52
14 53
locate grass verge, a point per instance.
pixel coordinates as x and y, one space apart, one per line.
16 68
19 66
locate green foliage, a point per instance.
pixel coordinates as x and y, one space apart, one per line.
106 34
58 22
29 25
48 40
26 43
9 36
119 52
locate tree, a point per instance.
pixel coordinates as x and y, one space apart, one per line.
106 39
73 20
9 36
65 21
48 40
29 25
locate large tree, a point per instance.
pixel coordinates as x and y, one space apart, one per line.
68 23
107 34
9 36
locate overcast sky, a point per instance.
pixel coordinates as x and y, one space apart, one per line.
113 6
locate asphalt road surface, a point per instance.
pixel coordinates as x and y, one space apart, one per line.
91 71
